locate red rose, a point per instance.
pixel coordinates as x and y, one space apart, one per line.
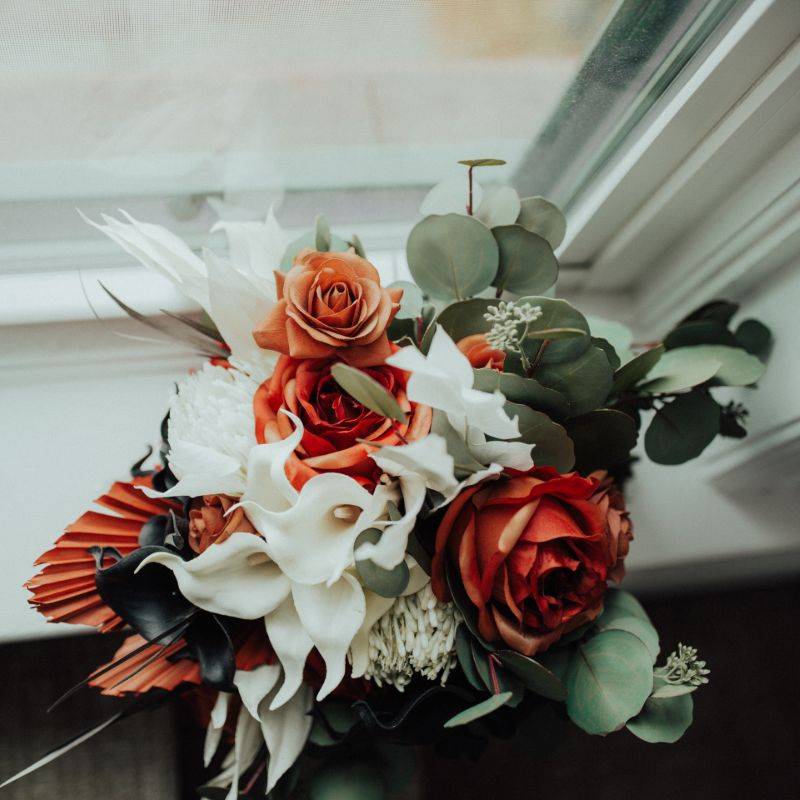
534 551
210 523
333 421
480 353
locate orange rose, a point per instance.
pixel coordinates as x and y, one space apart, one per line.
330 304
333 421
208 524
480 353
534 551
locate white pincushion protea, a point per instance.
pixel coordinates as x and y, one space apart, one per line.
212 430
416 636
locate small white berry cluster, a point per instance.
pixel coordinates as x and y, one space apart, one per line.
684 668
506 319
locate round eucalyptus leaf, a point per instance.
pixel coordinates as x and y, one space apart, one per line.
553 447
585 382
608 349
637 369
412 301
384 582
609 680
518 389
663 719
618 335
482 162
640 628
542 217
719 310
738 367
620 603
465 659
682 429
700 331
527 264
356 244
555 314
367 391
480 710
728 366
603 438
755 337
347 780
452 256
534 675
500 206
465 318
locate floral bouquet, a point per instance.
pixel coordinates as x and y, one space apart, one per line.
388 515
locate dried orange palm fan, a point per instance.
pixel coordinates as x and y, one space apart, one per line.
64 589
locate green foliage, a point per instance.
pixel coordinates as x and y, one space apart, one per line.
483 708
348 779
683 428
534 675
465 318
552 445
686 367
367 391
518 389
700 331
663 719
609 679
322 234
637 369
526 261
465 658
311 239
608 349
556 314
755 337
385 582
412 301
585 381
451 256
540 216
602 438
482 162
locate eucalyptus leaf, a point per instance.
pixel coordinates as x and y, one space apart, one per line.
585 382
673 690
618 335
637 369
700 331
621 603
450 196
356 244
462 602
735 366
482 162
465 658
322 234
755 337
488 706
663 719
540 216
608 348
683 428
367 391
527 264
609 679
553 447
309 240
555 314
412 300
719 310
465 318
452 256
500 206
534 675
518 389
602 438
640 628
384 582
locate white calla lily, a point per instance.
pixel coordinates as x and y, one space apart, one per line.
443 379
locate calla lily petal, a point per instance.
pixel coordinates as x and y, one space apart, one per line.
234 578
291 644
285 731
219 713
202 470
331 615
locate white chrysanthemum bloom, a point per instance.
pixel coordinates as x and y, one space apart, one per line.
212 431
416 636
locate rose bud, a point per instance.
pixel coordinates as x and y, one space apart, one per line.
330 304
333 421
208 524
534 551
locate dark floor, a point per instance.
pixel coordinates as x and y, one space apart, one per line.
745 742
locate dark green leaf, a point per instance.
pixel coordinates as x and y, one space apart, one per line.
719 310
637 369
522 390
700 331
553 446
755 337
482 162
452 257
534 675
488 706
682 429
465 658
541 216
527 264
608 349
609 679
465 318
663 719
585 382
602 438
555 314
367 391
385 582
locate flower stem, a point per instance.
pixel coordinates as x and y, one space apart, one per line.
469 200
493 674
